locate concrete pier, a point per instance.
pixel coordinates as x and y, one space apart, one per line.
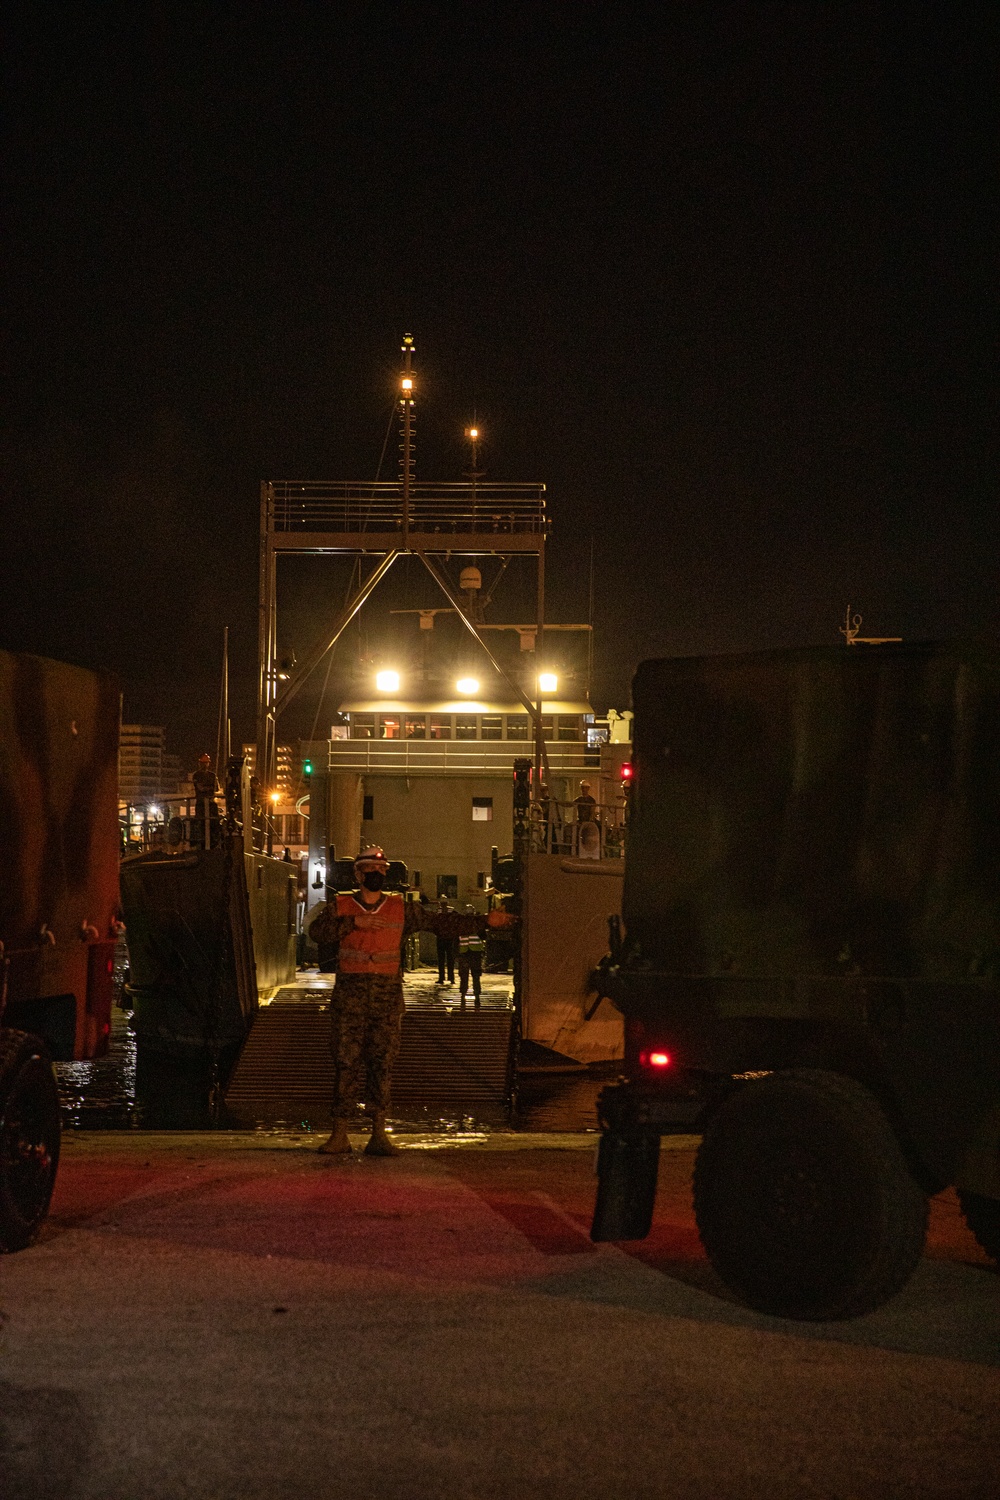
231 1315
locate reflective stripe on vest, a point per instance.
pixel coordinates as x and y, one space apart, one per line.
371 950
471 943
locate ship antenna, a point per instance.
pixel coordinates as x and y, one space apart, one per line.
406 398
474 473
850 628
222 745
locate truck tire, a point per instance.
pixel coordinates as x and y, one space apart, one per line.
983 1217
804 1200
29 1137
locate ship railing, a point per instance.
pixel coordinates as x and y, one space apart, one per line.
173 823
409 757
344 506
555 828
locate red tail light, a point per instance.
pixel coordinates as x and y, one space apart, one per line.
626 771
654 1059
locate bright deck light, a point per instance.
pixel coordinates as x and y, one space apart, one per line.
407 383
548 682
275 798
467 685
387 682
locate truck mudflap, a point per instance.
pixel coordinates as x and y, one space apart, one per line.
633 1119
627 1167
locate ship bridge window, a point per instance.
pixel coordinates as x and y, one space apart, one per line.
466 726
492 727
570 727
548 726
517 726
363 726
416 726
441 726
388 727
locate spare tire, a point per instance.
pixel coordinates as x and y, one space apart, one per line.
29 1137
804 1200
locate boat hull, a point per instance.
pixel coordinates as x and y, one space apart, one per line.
209 932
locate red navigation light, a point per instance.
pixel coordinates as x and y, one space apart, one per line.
654 1059
626 770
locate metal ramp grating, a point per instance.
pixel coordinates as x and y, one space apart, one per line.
445 1056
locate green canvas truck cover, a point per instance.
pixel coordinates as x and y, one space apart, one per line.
814 863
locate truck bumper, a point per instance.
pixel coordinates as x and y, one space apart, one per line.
626 1107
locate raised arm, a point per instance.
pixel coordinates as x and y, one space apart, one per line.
328 926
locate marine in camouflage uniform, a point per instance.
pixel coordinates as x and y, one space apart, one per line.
366 1008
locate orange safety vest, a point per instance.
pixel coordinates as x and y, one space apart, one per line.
372 950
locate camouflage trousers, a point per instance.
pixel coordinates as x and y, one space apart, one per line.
366 1023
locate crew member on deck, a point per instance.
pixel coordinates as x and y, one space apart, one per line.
445 945
204 780
471 951
206 788
366 1007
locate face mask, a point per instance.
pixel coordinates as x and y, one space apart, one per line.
373 880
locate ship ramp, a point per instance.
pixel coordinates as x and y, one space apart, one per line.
448 1057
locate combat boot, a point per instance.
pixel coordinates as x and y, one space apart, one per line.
380 1143
338 1143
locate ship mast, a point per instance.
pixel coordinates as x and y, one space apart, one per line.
406 400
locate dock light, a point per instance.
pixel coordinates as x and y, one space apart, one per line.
473 433
275 798
387 682
467 685
406 383
154 812
548 682
654 1059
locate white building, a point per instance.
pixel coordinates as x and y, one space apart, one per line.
146 772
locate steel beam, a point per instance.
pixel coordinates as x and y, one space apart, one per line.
294 683
534 711
441 543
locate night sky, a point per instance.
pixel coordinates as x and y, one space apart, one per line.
722 276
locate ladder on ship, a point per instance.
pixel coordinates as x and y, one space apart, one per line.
447 1057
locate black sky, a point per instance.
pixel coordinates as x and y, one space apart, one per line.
722 276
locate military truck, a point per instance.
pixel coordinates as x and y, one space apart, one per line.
58 909
809 967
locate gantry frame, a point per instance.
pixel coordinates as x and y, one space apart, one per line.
385 521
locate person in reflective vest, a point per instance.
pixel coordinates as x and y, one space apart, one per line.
471 950
366 1007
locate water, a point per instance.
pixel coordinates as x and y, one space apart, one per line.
111 1094
101 1095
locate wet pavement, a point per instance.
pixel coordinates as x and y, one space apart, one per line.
230 1314
103 1094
